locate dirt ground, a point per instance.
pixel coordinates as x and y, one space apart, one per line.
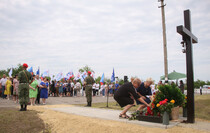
61 122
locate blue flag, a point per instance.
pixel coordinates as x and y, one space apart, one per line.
45 74
37 72
30 69
113 76
102 79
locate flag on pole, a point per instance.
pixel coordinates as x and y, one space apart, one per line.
78 76
59 76
10 73
113 76
70 75
102 79
45 74
83 76
37 72
30 70
52 77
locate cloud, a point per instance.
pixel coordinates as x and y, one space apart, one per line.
124 34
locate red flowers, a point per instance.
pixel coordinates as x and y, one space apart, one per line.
153 105
149 112
163 102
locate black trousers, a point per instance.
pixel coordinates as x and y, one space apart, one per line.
38 96
94 92
71 92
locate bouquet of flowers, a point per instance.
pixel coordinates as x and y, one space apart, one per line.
145 112
164 105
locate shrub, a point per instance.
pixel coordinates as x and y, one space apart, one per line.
170 92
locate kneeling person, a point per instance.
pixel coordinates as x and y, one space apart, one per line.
126 94
144 91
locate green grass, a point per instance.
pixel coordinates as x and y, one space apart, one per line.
14 121
202 106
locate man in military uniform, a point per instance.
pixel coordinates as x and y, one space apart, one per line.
24 77
88 88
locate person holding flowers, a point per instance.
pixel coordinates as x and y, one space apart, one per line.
126 94
144 91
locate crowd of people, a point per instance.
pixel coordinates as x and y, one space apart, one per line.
26 88
43 88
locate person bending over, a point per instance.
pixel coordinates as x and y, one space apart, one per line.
144 91
126 94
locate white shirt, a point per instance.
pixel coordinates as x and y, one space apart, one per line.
102 87
97 86
3 81
39 81
94 86
78 85
72 85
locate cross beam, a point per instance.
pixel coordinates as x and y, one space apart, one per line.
186 33
188 39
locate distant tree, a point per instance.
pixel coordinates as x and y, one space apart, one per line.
49 78
121 82
86 68
207 82
199 83
107 80
98 79
15 70
2 72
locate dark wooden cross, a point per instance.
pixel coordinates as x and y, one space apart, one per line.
188 39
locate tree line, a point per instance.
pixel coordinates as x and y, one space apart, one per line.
17 69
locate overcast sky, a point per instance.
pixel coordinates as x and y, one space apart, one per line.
64 35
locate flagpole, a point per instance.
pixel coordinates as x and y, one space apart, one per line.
107 98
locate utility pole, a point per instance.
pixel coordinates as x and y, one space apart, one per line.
164 39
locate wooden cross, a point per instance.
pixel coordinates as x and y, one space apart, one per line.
188 39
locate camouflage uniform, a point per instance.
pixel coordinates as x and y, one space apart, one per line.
88 89
23 89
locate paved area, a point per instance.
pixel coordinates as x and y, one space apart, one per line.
76 100
107 114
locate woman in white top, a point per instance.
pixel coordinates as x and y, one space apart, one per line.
102 90
94 89
78 88
97 88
